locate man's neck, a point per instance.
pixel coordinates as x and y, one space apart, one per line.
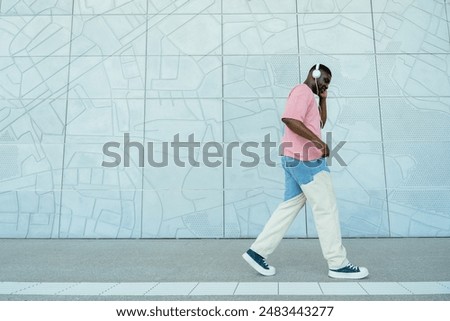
311 84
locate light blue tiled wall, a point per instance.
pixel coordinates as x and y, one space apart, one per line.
76 74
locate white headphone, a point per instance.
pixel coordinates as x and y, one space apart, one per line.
316 72
316 75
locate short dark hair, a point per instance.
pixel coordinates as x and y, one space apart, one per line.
321 67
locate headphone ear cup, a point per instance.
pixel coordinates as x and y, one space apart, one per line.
316 73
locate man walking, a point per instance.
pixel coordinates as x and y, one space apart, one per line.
307 178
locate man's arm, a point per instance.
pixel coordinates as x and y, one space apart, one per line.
323 110
300 129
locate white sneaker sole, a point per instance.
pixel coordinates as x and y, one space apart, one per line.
349 276
271 271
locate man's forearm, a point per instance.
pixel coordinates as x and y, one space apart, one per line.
323 111
300 129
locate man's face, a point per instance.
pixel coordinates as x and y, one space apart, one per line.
323 82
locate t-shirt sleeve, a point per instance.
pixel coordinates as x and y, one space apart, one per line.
297 104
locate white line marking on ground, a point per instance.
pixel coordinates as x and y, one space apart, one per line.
223 288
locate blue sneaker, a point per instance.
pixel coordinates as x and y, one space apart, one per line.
349 271
257 262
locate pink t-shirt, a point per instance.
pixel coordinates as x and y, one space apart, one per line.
302 106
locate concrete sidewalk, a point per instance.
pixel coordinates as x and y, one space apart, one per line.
212 269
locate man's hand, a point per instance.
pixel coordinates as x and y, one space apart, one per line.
323 148
323 94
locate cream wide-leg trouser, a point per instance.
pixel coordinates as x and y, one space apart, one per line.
320 195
